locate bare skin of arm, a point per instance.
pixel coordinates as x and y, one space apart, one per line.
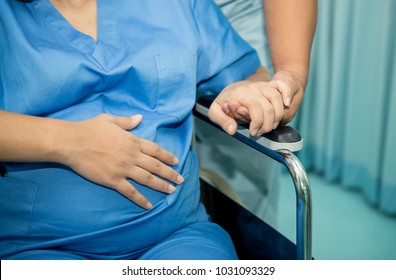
290 27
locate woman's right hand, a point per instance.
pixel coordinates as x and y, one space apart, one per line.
103 151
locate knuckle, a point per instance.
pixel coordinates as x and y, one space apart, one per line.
164 186
113 185
135 141
156 150
174 176
275 96
118 185
132 192
269 110
254 87
149 178
241 90
132 139
105 117
171 158
266 128
157 166
112 177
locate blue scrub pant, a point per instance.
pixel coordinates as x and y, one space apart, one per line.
199 241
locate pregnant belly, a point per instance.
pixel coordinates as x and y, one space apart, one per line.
70 212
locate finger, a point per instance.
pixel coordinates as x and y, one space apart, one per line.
274 97
268 117
226 109
127 123
156 151
151 181
234 110
285 90
256 111
154 166
234 113
252 106
130 192
217 115
243 111
288 116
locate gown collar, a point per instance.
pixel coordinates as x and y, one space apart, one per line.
106 31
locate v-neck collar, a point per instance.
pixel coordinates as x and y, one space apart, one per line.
106 31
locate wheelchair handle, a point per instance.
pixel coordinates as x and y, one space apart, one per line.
279 144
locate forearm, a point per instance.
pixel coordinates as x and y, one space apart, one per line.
290 27
261 75
26 138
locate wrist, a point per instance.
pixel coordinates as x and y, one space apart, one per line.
60 141
299 73
297 76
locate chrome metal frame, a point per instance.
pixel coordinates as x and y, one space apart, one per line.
298 175
304 206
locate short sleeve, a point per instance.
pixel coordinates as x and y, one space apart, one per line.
223 56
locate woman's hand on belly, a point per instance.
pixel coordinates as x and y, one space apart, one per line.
103 151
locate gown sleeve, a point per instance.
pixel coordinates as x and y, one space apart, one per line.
223 56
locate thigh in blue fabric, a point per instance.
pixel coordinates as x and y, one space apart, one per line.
197 241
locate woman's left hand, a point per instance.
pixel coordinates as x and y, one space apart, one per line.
248 101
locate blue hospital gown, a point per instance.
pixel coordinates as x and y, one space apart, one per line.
149 59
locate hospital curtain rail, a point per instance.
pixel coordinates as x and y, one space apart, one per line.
348 116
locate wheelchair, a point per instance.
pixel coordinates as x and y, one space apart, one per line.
253 238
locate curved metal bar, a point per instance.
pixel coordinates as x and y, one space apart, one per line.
304 207
302 188
303 193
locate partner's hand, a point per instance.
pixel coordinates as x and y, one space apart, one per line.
291 88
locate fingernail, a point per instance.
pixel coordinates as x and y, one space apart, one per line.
287 101
275 125
148 205
171 189
254 133
175 160
136 117
229 129
179 179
